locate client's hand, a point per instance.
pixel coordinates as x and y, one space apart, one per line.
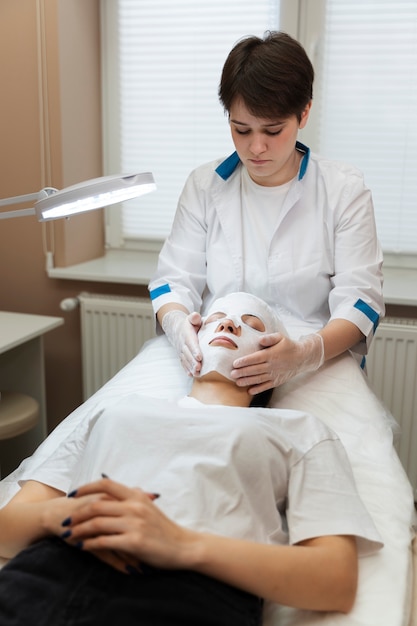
59 509
181 330
280 360
126 524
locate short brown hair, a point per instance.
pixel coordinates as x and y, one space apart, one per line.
273 76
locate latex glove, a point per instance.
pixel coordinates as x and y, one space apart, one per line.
181 330
280 360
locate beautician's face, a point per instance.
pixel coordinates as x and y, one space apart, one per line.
232 329
266 146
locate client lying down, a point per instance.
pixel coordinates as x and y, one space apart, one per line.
254 504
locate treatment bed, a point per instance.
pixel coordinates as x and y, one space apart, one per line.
387 583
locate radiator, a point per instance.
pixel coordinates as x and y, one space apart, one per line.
392 372
113 329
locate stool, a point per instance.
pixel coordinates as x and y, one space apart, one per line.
18 413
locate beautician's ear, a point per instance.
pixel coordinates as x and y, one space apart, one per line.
305 114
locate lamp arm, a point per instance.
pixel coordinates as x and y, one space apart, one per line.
19 199
28 197
17 213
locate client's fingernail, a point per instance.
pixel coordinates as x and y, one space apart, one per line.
104 475
154 496
79 545
66 534
66 522
72 494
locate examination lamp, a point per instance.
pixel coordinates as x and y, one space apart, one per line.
52 204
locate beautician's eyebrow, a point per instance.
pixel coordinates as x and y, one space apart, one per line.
278 123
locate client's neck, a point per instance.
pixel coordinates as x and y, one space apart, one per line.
215 389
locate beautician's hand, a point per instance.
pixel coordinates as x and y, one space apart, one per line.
181 330
127 522
280 360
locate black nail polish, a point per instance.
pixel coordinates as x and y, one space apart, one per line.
66 534
72 494
66 522
133 571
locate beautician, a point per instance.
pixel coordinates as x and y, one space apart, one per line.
275 220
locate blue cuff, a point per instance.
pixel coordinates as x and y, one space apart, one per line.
368 311
159 291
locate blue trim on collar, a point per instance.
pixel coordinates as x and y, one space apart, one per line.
228 166
368 311
159 291
306 158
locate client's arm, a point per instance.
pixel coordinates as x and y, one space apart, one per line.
319 574
35 512
22 520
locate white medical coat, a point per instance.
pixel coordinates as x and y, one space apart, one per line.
324 260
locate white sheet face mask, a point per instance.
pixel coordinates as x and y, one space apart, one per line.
237 322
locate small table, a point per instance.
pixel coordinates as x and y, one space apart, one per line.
22 370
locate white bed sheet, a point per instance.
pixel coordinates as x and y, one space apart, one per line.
385 579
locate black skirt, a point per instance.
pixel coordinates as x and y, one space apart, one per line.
53 584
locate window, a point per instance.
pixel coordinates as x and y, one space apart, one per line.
365 99
162 65
162 62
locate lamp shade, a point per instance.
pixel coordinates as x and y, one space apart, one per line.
96 193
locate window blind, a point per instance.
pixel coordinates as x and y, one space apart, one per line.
164 66
367 99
